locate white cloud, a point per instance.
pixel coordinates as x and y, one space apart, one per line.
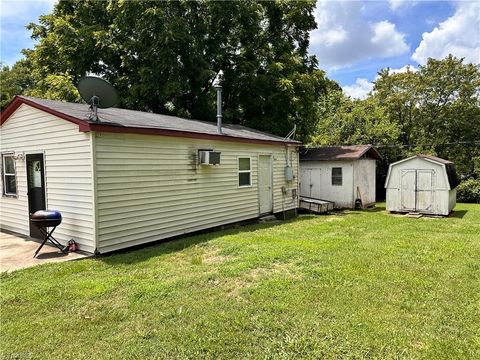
359 90
385 36
400 4
331 37
362 86
459 35
344 37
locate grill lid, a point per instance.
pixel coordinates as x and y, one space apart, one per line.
46 215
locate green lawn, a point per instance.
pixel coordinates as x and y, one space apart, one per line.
354 285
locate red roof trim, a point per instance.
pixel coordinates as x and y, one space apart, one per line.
85 126
18 100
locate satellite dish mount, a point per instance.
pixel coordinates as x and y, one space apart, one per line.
98 93
94 103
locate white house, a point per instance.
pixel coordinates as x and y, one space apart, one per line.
422 183
344 175
135 177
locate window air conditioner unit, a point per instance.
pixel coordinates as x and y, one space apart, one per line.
208 157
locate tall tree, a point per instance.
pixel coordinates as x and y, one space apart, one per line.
437 109
162 57
14 80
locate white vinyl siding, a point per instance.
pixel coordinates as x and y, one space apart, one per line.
68 173
151 187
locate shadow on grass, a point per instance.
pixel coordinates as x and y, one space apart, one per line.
376 209
458 214
143 252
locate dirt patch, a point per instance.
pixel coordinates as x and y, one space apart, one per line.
235 287
213 257
287 270
334 218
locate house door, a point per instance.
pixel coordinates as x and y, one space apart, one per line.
265 184
310 183
416 190
35 188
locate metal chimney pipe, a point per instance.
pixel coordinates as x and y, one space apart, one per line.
219 109
217 85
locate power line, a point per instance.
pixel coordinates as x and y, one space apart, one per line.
475 142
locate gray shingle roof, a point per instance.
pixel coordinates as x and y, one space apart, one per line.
336 153
145 120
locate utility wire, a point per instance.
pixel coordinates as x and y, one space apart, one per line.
474 142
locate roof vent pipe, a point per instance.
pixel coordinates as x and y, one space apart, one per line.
217 84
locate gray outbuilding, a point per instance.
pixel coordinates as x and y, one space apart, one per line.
422 183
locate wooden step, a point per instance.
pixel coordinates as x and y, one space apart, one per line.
414 215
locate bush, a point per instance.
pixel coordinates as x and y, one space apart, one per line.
469 191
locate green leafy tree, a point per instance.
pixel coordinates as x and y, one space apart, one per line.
349 122
437 109
14 80
162 57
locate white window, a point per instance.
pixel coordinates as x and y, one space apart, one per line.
9 178
337 176
244 172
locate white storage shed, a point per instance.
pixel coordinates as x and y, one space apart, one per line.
422 183
344 175
134 177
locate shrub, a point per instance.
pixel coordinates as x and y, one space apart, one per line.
469 191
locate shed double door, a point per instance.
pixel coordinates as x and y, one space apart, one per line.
416 191
310 183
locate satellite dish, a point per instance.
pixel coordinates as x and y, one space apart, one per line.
98 93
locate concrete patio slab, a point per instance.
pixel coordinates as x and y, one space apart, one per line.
16 252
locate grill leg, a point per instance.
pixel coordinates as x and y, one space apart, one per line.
48 236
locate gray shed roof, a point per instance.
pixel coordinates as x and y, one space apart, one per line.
434 158
131 119
339 153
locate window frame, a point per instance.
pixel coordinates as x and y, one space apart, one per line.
5 174
336 177
244 171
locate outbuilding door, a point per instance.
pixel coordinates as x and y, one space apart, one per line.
416 190
310 183
265 194
36 188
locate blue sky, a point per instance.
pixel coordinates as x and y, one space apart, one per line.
354 39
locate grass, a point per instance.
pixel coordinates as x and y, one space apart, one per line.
364 284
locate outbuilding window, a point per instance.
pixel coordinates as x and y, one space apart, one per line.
244 172
9 177
337 176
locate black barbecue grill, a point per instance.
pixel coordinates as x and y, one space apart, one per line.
43 220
